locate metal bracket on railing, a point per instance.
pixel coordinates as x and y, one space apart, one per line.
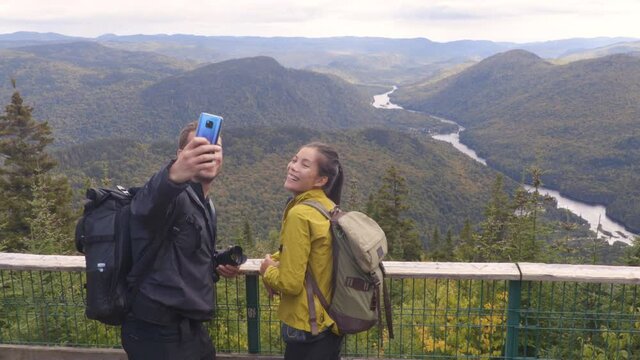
513 319
253 314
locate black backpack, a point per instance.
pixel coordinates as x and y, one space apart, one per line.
103 236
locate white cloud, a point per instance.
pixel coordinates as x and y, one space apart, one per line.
443 20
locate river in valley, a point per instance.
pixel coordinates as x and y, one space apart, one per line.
594 214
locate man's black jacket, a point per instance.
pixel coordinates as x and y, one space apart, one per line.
182 277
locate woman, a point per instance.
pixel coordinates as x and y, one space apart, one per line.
313 174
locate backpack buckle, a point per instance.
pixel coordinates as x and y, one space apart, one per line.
377 281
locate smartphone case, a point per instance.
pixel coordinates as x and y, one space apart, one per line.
209 127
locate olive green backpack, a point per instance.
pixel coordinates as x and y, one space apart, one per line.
359 245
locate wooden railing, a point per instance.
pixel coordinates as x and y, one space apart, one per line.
441 310
396 269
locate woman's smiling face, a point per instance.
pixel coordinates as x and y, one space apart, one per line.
303 172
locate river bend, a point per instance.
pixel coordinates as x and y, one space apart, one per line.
593 214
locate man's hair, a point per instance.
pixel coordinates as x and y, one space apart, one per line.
184 134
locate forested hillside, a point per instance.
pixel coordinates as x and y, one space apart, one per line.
84 90
259 91
579 122
102 112
630 48
115 116
87 91
445 187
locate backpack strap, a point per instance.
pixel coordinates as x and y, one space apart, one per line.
387 303
310 283
333 216
387 309
316 205
377 296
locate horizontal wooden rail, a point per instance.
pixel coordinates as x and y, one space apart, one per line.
31 352
396 269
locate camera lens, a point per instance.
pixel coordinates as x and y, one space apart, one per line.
236 255
209 124
232 256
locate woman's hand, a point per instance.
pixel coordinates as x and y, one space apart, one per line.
266 263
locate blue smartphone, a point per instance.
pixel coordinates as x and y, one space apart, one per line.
209 127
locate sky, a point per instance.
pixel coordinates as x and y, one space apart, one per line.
447 20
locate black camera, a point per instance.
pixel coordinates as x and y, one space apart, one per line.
232 256
209 124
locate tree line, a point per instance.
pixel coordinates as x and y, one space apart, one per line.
39 211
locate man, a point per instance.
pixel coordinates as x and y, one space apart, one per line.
177 295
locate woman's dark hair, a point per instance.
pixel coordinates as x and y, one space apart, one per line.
329 166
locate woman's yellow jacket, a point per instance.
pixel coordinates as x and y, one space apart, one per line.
305 239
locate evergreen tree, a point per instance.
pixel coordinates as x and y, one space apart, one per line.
353 199
411 246
493 239
465 249
435 239
387 207
523 237
247 234
371 207
527 230
434 245
512 230
632 253
23 160
447 249
48 231
522 204
597 244
3 225
533 247
105 181
262 246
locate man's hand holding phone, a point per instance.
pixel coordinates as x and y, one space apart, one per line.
199 158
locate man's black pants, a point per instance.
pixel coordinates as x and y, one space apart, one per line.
186 340
327 348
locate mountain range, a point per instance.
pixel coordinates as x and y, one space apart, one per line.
629 47
359 59
108 99
116 114
87 91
